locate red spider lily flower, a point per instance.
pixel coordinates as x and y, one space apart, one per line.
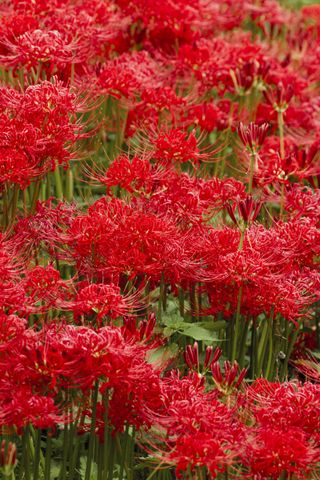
35 47
197 451
136 175
309 366
176 146
197 429
298 163
40 130
232 378
253 135
270 453
45 228
128 75
191 357
158 106
291 291
46 289
302 201
143 332
286 405
20 406
166 192
102 300
152 244
248 210
279 97
167 24
41 364
62 39
11 327
207 116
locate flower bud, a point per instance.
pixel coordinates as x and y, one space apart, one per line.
8 457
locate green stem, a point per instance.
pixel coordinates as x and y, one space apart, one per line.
65 451
5 208
111 460
292 341
237 325
37 455
253 350
92 431
155 471
14 204
193 302
123 454
58 183
47 468
75 455
271 358
281 133
26 447
106 439
262 347
181 302
243 343
35 196
282 155
69 185
253 156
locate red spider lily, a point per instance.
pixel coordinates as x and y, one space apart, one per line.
253 135
45 229
167 192
286 405
232 378
64 357
136 175
303 201
308 366
104 301
62 39
290 290
152 244
158 106
208 116
19 407
130 74
197 451
248 209
143 332
175 146
298 163
191 357
188 81
11 327
167 24
280 96
35 47
199 431
270 453
40 129
46 289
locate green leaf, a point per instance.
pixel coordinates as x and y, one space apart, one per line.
161 355
199 333
54 471
173 321
83 467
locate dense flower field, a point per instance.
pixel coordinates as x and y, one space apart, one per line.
160 240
